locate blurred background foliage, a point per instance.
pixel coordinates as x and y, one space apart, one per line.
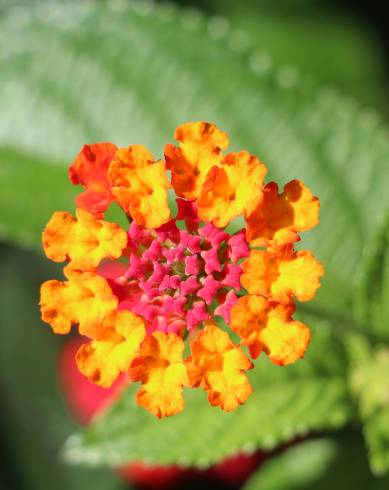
301 83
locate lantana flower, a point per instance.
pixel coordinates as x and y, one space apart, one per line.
139 295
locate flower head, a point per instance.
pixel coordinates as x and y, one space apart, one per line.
138 294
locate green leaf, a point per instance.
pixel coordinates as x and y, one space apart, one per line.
317 464
33 418
81 72
370 383
305 397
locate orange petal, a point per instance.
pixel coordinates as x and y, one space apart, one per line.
200 144
84 241
269 327
140 185
284 340
90 170
260 270
219 366
103 360
279 217
85 299
249 317
279 276
232 189
160 369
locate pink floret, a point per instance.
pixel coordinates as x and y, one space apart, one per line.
197 314
209 290
224 309
211 259
238 246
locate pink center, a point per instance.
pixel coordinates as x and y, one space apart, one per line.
177 279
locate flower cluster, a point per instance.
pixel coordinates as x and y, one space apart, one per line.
138 294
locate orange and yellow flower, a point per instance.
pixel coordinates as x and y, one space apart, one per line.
218 366
85 299
137 294
161 370
199 150
268 327
104 358
281 274
140 185
84 241
279 218
89 169
224 193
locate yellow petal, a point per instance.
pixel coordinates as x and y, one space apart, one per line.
280 275
160 369
249 316
299 276
84 241
140 185
278 218
103 360
219 366
260 270
85 299
232 189
284 340
269 327
198 151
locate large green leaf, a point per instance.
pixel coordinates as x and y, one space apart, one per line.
308 396
81 72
